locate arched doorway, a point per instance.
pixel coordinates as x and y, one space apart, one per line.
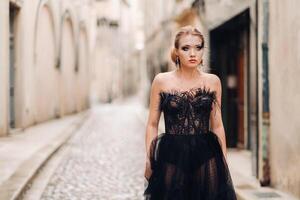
83 64
45 79
67 79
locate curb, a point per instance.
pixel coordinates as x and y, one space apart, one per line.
259 193
20 181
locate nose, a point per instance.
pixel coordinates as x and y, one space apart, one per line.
192 52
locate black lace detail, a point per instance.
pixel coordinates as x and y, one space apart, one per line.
187 164
187 112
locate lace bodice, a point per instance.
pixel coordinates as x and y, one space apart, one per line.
187 112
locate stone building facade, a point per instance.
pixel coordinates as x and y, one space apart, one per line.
45 53
119 61
253 46
58 57
284 94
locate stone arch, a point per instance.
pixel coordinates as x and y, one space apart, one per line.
83 65
70 17
45 60
49 6
68 56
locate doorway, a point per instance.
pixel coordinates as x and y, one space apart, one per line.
13 13
230 61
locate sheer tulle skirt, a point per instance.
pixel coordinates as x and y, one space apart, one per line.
188 167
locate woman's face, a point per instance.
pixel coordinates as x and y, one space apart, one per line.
190 50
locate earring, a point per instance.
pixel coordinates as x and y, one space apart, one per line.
177 62
201 63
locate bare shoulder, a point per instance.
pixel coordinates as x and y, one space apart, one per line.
159 80
167 75
213 80
162 78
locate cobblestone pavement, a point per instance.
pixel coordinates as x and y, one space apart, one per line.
105 160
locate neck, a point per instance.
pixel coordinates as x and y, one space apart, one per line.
188 73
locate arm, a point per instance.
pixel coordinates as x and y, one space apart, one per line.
216 124
153 119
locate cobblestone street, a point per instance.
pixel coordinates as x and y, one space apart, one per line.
105 158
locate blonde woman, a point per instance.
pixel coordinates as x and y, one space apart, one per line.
188 161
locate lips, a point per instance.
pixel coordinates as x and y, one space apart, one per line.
192 60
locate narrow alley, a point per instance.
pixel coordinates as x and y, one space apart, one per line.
103 160
76 81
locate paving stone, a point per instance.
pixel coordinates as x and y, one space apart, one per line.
105 160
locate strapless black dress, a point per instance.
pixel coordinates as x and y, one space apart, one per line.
187 161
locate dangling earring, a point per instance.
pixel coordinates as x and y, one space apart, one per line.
201 63
177 62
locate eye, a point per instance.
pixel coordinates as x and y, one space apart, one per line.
185 48
199 47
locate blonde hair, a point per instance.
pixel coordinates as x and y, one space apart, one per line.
186 30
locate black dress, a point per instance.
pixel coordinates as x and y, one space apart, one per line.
187 161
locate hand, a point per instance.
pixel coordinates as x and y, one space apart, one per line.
148 170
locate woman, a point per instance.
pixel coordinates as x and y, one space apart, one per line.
188 161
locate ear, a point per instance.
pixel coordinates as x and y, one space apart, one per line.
176 52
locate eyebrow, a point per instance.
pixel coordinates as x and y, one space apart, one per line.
187 45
